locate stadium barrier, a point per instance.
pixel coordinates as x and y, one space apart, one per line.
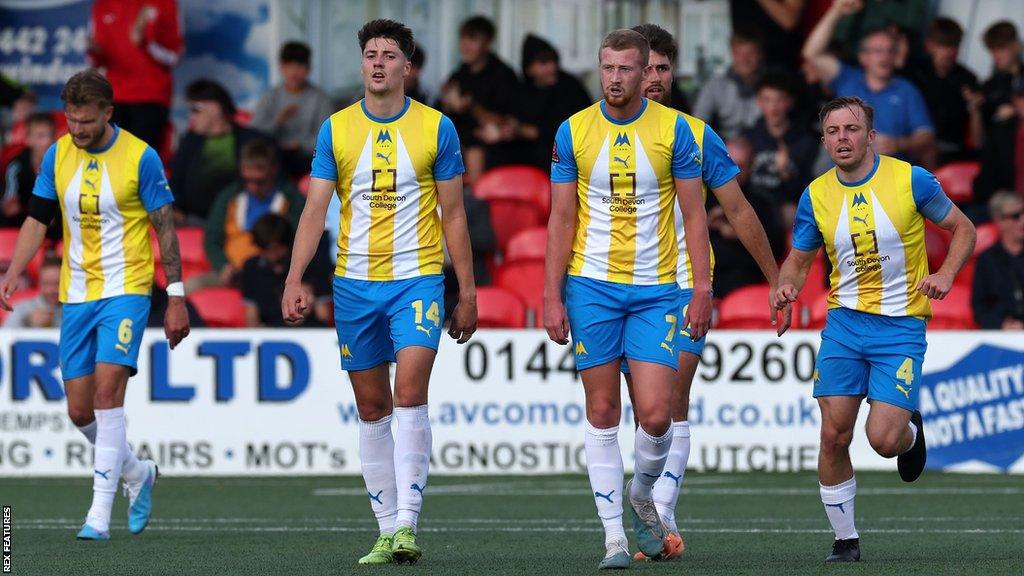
266 402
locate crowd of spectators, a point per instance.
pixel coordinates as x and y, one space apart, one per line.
237 175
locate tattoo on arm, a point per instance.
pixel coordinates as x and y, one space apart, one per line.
163 222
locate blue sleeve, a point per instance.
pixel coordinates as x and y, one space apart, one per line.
686 157
448 162
563 160
806 234
324 165
917 110
840 85
45 186
929 197
153 189
718 167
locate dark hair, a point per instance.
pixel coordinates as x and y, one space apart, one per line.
777 81
88 87
296 53
847 102
1000 34
625 39
203 90
945 32
747 36
659 39
477 26
419 57
272 229
258 151
41 118
390 29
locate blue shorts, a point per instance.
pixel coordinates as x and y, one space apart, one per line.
376 319
609 320
685 343
108 330
871 355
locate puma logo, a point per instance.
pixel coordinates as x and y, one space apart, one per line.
385 158
667 347
424 330
102 474
376 498
90 184
417 488
863 221
607 496
625 163
905 391
673 477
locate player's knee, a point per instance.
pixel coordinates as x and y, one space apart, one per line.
835 440
80 416
602 413
373 411
407 397
656 425
886 445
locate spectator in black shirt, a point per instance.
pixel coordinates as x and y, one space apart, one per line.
783 152
998 293
776 21
480 98
207 158
550 95
949 91
734 266
21 172
413 88
1003 43
1002 157
263 276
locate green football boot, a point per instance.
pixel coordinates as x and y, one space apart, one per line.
404 547
380 553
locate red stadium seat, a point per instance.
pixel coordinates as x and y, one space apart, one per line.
303 184
8 240
936 244
219 307
8 153
525 279
957 179
988 235
519 197
817 310
243 117
745 308
499 308
193 254
528 245
953 312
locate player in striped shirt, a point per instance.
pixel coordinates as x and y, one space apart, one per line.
392 161
718 173
618 169
111 190
868 212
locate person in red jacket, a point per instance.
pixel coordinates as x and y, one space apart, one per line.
137 42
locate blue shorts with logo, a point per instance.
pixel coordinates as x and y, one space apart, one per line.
609 320
683 341
376 319
108 330
871 355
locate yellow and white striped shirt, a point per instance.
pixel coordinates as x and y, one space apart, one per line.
873 233
105 197
626 191
386 170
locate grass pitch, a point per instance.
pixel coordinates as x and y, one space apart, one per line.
732 523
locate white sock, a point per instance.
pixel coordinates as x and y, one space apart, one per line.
649 456
666 489
89 431
132 468
604 466
838 501
110 445
913 432
412 462
377 457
